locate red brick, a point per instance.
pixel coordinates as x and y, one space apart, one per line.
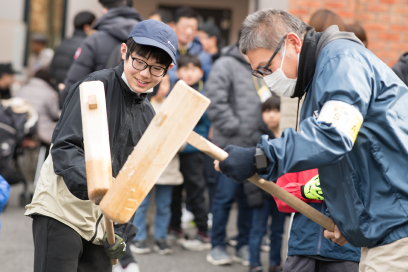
399 27
384 18
345 14
388 36
375 26
389 1
365 17
309 3
378 7
298 12
376 45
386 54
398 47
400 9
335 5
371 35
370 1
395 19
360 7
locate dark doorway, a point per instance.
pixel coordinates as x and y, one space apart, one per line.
220 17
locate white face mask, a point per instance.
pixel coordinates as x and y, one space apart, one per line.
278 83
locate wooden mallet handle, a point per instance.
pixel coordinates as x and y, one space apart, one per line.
110 235
218 154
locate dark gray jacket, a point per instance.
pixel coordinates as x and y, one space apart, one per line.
112 28
64 56
235 110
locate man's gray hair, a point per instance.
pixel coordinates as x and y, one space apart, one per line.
265 29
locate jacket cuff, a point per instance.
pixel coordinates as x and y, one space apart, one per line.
302 191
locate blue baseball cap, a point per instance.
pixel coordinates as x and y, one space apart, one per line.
157 34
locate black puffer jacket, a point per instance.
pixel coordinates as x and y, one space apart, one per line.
112 28
64 56
401 68
129 114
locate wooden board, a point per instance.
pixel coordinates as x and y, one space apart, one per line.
96 139
166 133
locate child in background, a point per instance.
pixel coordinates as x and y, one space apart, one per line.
164 188
267 205
192 167
4 193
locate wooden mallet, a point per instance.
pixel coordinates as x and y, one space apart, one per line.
218 154
96 146
170 128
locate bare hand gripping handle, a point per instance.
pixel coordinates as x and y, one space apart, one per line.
217 153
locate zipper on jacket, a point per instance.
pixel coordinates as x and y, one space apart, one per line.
319 245
96 228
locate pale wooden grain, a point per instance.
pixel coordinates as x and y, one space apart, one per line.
96 140
218 154
96 146
166 133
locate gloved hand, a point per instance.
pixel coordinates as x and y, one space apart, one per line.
115 251
312 189
240 164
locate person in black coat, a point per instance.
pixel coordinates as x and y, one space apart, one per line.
401 68
113 29
65 54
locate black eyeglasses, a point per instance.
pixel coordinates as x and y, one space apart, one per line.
264 70
140 65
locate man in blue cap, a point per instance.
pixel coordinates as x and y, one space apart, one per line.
68 229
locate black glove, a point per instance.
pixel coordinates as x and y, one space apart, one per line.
240 164
115 251
127 231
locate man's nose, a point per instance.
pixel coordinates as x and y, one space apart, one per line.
145 73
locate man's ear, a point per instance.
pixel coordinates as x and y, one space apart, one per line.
295 41
123 48
171 66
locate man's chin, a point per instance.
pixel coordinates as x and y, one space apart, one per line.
140 90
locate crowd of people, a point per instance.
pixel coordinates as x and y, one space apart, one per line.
190 192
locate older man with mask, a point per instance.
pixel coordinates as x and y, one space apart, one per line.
354 129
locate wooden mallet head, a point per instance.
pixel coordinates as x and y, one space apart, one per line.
167 132
96 139
96 146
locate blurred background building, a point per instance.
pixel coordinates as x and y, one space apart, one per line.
385 21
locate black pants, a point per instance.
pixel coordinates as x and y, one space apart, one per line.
192 168
58 247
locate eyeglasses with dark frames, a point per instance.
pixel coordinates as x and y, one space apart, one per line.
264 70
140 65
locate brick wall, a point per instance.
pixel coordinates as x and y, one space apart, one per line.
385 22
